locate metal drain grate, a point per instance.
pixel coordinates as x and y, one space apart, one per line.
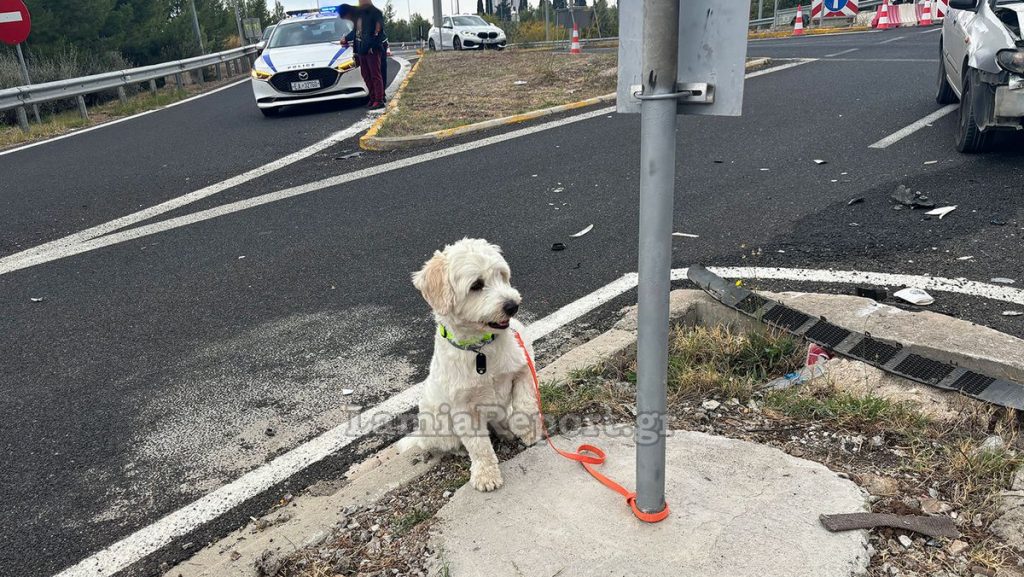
972 383
828 334
875 351
785 318
922 369
751 304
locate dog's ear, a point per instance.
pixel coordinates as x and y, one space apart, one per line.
432 281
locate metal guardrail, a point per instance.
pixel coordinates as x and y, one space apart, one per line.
34 94
566 42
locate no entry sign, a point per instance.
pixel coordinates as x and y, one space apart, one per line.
15 23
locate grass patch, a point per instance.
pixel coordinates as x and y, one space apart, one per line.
848 411
703 362
452 89
410 520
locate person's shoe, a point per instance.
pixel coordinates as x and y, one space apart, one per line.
376 105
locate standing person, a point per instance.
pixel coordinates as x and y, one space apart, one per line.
369 44
351 14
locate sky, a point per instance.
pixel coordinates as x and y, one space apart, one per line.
402 7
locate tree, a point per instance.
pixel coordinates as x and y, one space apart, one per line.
278 13
559 4
418 27
524 8
389 12
479 6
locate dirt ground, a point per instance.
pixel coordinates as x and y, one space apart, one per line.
453 89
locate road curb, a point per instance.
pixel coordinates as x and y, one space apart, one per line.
392 104
370 140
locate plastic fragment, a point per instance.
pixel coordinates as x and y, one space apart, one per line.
941 212
915 296
582 232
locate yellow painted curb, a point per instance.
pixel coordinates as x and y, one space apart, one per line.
807 32
370 140
364 140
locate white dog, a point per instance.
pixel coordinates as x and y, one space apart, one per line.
478 374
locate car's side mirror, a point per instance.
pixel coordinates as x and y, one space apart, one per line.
262 44
969 5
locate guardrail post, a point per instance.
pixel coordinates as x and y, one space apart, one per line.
200 73
229 67
122 95
82 110
152 86
219 75
179 81
23 119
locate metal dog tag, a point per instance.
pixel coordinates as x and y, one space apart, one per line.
481 363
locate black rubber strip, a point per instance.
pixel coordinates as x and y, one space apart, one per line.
860 346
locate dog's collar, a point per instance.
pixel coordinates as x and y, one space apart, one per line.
468 344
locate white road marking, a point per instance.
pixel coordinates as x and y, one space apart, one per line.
800 62
841 53
144 542
391 89
73 241
87 240
912 128
178 202
8 17
883 60
891 40
938 29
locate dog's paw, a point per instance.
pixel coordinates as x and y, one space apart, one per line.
486 478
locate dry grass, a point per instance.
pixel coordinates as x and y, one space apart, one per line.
453 89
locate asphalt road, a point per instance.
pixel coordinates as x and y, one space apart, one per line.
158 368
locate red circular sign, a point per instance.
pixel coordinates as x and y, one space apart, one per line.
15 23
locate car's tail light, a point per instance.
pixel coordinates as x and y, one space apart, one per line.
1011 60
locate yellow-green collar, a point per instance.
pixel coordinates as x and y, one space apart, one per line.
466 345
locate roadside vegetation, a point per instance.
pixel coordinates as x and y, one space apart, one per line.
910 463
452 89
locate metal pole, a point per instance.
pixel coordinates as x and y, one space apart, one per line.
238 21
547 34
195 27
26 79
657 191
760 9
775 14
438 10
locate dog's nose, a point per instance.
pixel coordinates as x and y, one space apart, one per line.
510 308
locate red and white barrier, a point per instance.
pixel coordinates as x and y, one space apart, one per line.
921 13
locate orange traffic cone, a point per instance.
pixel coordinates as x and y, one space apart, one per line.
926 14
883 18
575 48
798 24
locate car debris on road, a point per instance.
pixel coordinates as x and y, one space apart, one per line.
915 296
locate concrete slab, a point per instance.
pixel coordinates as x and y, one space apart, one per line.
738 509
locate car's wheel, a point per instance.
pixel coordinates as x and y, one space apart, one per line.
457 44
969 137
945 94
432 46
270 112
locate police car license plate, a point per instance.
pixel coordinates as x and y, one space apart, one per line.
307 85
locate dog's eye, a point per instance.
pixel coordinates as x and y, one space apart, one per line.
478 285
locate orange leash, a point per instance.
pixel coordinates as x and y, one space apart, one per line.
587 455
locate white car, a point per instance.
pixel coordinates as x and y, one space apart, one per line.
466 32
304 62
981 64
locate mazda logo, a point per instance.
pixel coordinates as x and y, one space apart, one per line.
303 75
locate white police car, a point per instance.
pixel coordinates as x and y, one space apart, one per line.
303 62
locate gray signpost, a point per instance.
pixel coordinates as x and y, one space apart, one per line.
675 57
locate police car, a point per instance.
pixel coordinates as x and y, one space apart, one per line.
303 62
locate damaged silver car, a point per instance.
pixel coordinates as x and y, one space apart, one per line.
981 64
